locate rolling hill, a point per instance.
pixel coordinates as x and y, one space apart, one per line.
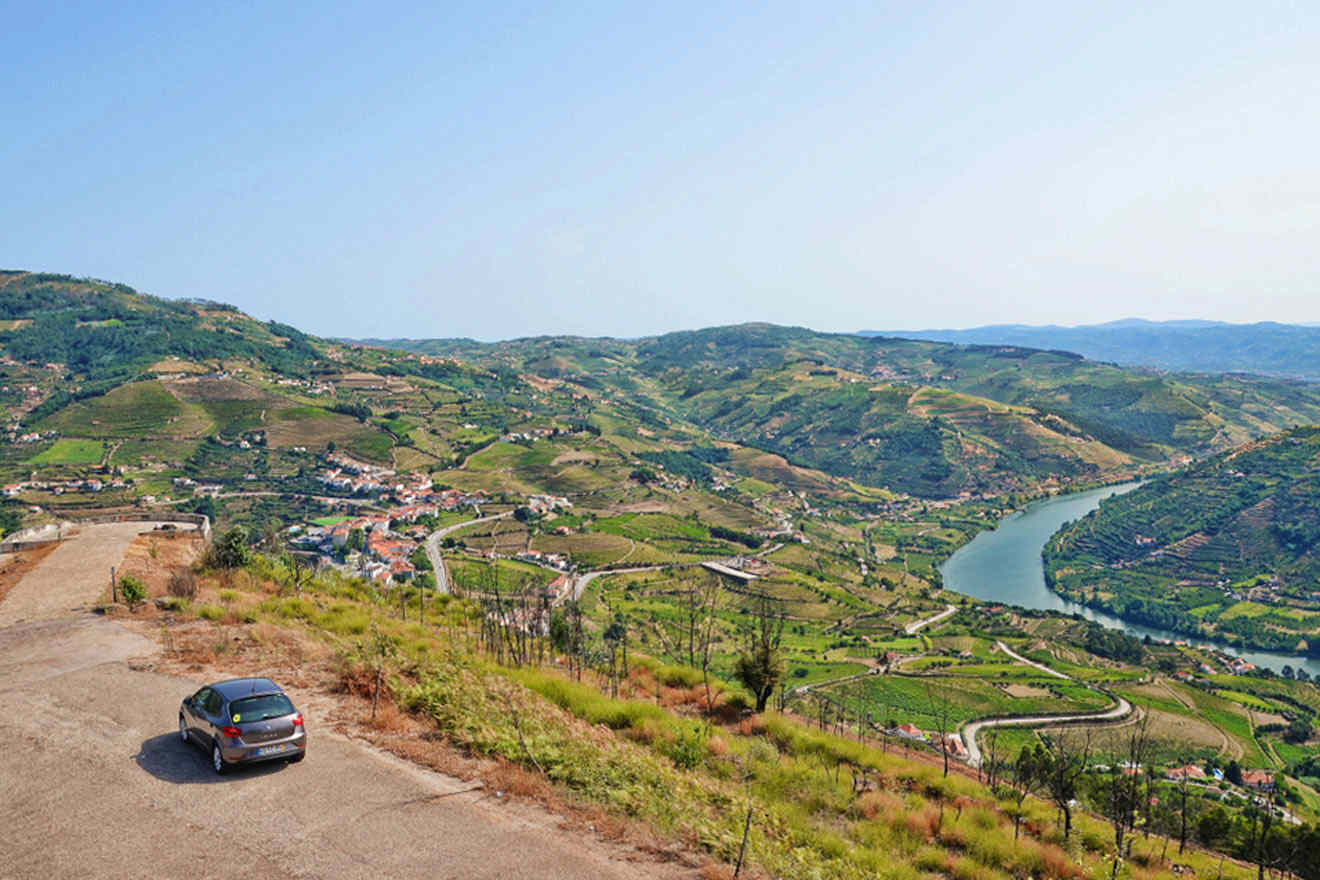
1227 548
927 418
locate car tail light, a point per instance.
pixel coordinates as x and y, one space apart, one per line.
231 732
297 720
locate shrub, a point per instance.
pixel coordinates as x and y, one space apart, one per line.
230 550
183 584
879 803
689 749
210 612
132 590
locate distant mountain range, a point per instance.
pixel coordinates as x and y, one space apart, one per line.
97 362
1267 348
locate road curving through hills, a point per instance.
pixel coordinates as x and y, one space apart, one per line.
972 729
433 547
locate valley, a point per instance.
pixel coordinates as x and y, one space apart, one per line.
743 563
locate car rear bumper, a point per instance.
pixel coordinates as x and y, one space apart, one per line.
277 750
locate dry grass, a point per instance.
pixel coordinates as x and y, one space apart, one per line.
338 695
923 823
342 691
156 557
1181 729
879 803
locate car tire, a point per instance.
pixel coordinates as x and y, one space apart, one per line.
298 757
217 760
183 729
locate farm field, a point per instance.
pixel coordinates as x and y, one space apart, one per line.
70 450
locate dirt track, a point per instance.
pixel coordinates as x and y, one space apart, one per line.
97 784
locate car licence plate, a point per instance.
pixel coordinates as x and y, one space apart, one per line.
272 750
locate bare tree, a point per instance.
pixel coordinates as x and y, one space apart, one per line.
1182 814
692 608
616 642
300 572
1024 775
1062 766
712 594
941 709
1123 799
993 760
381 648
1262 839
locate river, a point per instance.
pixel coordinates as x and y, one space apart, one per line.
1004 565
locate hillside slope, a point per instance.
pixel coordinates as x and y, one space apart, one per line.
879 410
1229 548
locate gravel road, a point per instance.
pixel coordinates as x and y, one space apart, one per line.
97 783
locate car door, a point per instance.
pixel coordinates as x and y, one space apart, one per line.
211 706
193 714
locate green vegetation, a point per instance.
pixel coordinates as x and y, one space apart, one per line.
69 450
139 409
820 805
837 473
928 418
132 590
1187 551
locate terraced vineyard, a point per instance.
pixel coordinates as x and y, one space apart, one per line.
1228 548
827 477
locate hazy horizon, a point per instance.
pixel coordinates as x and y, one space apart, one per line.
493 173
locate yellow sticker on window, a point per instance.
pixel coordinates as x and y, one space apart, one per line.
237 718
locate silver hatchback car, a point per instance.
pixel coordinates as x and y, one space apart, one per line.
243 721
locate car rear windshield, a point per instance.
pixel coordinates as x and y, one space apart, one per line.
260 708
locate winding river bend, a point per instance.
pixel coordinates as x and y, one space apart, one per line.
1004 566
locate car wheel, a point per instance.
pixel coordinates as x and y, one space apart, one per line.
183 729
298 757
217 760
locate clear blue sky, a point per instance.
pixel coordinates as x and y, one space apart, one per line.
452 169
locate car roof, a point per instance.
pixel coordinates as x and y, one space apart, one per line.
246 687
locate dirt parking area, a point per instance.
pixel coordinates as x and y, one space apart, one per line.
97 782
73 576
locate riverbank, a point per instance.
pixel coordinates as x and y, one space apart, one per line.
1004 566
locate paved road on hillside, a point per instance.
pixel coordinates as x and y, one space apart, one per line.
97 783
1041 666
433 548
972 730
582 582
917 625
